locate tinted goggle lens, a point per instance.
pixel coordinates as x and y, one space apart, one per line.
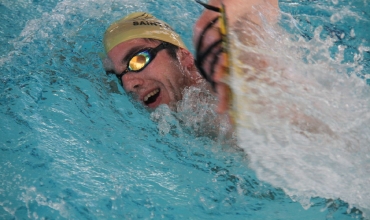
139 61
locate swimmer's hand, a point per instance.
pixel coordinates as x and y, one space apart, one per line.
222 89
235 9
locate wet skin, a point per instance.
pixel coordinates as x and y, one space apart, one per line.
235 10
160 82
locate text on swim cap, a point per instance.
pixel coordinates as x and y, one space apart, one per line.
155 23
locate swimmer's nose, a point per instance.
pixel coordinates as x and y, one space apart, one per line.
131 82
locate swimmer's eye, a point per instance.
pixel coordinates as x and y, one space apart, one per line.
142 59
139 61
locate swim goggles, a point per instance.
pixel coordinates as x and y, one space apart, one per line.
141 59
216 48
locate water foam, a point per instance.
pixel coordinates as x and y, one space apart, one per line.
304 121
52 97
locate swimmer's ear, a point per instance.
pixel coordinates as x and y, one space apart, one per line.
186 58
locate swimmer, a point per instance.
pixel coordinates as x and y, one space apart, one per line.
155 67
150 60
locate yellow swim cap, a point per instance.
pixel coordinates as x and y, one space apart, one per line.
139 25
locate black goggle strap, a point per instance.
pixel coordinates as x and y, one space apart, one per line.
153 52
111 72
108 72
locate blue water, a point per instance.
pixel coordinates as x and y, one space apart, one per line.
74 146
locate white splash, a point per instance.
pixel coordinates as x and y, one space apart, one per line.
304 121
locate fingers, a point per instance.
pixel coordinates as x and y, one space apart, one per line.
208 38
222 88
206 35
223 99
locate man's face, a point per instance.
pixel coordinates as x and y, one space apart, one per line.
160 82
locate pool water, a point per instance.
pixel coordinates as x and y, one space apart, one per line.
75 146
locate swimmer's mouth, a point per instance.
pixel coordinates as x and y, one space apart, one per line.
151 97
